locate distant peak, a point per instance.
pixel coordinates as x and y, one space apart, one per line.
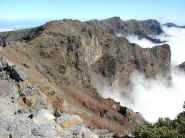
115 18
173 25
152 21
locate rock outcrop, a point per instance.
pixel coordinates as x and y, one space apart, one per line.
60 59
142 29
11 70
173 25
119 63
182 66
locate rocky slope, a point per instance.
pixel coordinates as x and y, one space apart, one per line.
32 110
62 58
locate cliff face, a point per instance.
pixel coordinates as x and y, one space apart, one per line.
67 53
120 62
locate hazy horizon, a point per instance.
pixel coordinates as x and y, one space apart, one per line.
25 14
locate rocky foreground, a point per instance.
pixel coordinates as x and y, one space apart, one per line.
47 85
25 111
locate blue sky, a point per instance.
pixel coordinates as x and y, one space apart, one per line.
18 12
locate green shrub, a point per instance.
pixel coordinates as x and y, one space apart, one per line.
164 128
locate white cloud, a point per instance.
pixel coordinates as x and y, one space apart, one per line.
142 42
5 30
176 40
152 98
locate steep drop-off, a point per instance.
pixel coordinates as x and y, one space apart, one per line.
66 54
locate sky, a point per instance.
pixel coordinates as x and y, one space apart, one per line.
34 12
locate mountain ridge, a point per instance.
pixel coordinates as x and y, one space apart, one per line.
173 25
67 53
115 25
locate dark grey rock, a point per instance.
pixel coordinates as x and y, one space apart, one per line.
173 25
11 70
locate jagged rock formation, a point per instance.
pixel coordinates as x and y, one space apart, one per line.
11 70
142 29
19 35
60 59
115 25
119 63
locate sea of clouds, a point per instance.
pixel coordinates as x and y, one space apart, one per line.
154 98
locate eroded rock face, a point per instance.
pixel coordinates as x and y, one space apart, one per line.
67 53
119 62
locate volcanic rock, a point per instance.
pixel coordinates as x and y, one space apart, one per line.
12 71
61 59
142 29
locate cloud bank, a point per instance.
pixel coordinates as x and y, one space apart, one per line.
153 98
157 98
